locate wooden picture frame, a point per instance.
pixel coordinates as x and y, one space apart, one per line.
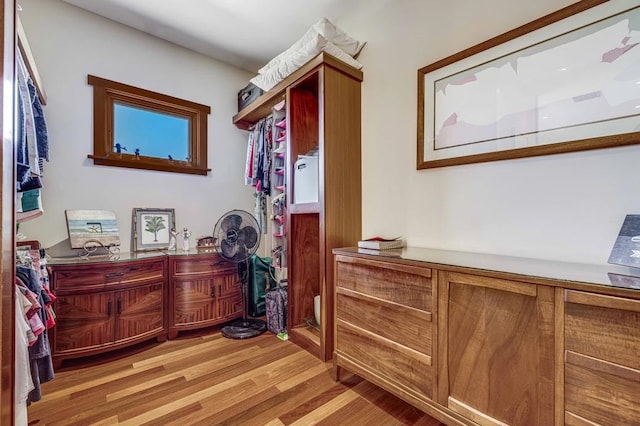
561 83
112 100
92 228
151 228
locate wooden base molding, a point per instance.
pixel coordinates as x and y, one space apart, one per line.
473 414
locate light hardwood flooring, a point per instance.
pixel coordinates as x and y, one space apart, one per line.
206 380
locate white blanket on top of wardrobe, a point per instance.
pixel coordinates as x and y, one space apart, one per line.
322 36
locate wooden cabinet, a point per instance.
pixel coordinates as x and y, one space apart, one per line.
108 305
204 291
495 347
322 112
383 324
84 321
601 359
489 340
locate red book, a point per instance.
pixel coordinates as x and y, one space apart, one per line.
380 243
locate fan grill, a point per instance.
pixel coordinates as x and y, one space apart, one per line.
237 237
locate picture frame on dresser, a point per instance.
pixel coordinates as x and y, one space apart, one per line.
151 228
626 249
91 228
558 84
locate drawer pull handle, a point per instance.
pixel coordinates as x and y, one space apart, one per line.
119 306
114 274
109 306
213 291
219 291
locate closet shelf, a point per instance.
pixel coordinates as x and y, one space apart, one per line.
262 106
323 113
304 208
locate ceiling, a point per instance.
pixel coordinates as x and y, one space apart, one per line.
243 33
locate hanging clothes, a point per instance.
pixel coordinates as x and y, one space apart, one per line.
22 75
248 168
40 317
256 151
23 171
23 383
260 210
267 147
258 166
32 145
40 124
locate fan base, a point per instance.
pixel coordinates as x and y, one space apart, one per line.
244 328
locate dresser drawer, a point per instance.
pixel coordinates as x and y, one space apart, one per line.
395 363
602 368
603 327
603 393
98 277
407 326
402 284
202 265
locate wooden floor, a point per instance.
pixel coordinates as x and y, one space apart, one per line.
211 380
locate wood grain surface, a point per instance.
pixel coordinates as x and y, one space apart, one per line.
206 379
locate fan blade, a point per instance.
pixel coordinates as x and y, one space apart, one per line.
231 221
237 236
242 253
248 236
228 250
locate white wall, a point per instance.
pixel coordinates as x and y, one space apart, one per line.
567 207
69 43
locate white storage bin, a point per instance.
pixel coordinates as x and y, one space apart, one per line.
305 180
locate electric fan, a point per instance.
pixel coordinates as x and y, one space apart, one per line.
236 237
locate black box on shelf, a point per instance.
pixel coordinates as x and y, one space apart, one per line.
247 95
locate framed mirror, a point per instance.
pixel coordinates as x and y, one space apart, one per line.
141 129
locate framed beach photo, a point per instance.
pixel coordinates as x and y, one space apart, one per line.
151 228
92 228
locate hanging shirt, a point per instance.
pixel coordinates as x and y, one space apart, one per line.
23 384
29 119
40 124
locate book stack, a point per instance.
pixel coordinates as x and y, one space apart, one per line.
381 246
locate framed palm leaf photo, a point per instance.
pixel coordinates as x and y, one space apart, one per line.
151 228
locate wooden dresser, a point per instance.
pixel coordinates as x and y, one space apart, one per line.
107 303
383 321
492 340
203 291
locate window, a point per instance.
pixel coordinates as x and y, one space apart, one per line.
140 129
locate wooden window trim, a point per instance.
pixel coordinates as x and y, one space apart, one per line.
106 92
